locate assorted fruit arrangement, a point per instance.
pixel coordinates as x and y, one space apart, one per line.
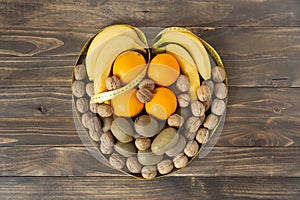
149 111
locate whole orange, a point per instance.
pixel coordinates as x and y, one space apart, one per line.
164 69
127 104
162 104
128 65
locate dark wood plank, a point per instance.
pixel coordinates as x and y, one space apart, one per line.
255 117
221 161
87 14
167 188
268 58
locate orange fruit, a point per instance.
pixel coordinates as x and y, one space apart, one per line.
128 65
162 104
164 69
127 104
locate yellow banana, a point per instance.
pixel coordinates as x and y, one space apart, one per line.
187 65
107 34
106 57
190 42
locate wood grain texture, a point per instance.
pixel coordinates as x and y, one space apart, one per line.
257 155
268 58
255 117
86 14
221 161
227 188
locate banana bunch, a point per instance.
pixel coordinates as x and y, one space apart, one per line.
190 53
106 46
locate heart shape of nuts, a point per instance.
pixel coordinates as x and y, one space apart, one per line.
148 111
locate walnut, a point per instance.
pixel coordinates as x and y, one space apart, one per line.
78 89
182 83
104 110
184 100
85 118
175 120
191 148
165 166
220 90
202 135
89 88
204 93
180 160
149 172
107 139
197 108
148 84
133 165
79 72
82 105
117 161
144 95
218 107
143 143
210 121
218 74
193 123
113 83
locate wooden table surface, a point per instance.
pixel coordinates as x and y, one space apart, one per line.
257 155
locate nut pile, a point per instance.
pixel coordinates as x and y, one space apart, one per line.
145 146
